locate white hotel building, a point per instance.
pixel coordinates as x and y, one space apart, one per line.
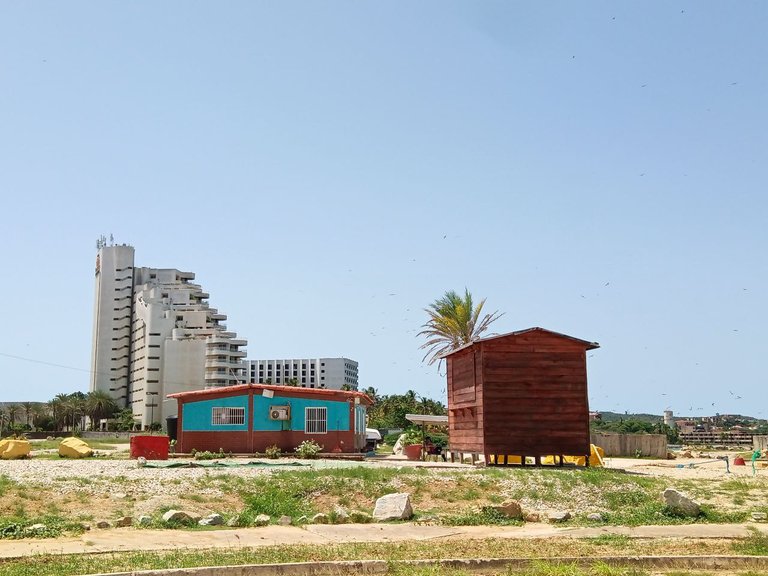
154 334
331 373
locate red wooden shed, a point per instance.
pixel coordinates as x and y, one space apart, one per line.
518 395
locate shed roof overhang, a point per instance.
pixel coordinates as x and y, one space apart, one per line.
426 419
587 345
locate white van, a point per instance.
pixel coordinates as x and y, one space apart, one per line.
372 439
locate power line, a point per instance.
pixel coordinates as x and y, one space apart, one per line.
43 362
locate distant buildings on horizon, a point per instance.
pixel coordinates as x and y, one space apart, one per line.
155 334
333 373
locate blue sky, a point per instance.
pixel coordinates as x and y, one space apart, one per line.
329 169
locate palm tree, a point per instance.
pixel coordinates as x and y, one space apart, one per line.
39 412
74 408
56 405
13 411
453 322
27 407
99 404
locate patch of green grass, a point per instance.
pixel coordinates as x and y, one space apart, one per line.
755 544
482 517
194 497
619 540
53 526
401 569
277 499
6 484
61 565
554 568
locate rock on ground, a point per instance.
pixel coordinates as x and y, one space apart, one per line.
262 520
212 520
181 516
681 504
509 509
393 507
555 517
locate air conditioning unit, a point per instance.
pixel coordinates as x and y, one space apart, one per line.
279 412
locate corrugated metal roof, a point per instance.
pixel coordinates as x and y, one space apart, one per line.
588 345
275 388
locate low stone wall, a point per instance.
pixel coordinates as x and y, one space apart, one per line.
653 445
107 435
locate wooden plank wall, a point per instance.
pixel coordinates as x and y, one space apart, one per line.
465 410
535 395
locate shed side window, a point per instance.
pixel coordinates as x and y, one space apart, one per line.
316 420
227 416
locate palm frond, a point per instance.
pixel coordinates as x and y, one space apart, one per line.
454 321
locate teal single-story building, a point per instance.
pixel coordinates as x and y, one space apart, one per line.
249 418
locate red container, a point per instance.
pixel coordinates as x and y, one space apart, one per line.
150 447
412 451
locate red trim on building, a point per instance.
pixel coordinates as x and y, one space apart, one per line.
288 391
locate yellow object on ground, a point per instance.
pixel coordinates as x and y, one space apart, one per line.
11 448
596 455
511 459
74 448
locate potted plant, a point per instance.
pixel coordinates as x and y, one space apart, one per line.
412 443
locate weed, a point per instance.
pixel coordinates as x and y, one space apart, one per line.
308 449
756 544
484 516
273 452
6 484
194 497
401 569
619 540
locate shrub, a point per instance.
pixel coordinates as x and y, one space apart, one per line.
273 452
391 439
206 455
412 436
308 449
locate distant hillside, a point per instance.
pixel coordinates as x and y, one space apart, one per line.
616 416
653 418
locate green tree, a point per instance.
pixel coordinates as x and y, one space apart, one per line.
125 420
27 408
13 411
389 411
99 404
58 412
453 322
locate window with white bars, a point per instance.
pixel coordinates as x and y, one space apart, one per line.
227 416
316 420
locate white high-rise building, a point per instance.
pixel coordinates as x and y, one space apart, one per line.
155 334
331 373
